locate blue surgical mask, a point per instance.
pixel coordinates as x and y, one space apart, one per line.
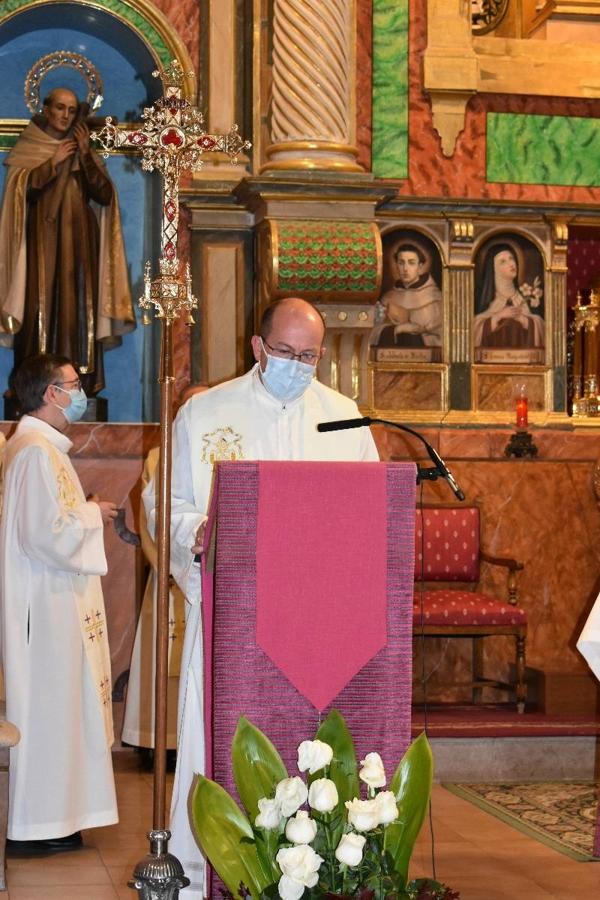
286 379
78 405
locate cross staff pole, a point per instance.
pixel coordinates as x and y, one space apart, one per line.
172 140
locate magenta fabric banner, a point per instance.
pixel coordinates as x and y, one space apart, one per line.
320 598
241 678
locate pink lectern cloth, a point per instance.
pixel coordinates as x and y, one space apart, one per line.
320 598
241 678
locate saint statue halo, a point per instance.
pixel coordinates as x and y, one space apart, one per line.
56 60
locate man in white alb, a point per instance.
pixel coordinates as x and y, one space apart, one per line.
272 412
54 640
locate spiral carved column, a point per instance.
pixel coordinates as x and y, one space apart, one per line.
313 79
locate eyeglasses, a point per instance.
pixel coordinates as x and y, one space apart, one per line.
74 381
307 356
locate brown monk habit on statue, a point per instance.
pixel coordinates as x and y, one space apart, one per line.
64 285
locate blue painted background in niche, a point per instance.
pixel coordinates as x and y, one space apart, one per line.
125 66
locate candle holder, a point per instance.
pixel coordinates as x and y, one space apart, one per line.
521 446
585 356
521 443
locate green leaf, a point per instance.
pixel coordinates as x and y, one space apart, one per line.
221 827
257 766
342 769
412 786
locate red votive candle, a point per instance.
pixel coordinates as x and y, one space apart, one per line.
522 411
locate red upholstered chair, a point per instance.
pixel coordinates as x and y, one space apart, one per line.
447 561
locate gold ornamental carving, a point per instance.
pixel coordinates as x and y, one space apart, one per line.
458 63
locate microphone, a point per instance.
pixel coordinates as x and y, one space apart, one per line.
440 470
342 424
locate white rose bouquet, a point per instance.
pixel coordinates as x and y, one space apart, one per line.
343 844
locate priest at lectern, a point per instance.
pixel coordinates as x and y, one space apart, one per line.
271 413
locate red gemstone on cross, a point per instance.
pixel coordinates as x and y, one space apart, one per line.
170 210
206 143
170 251
137 137
171 137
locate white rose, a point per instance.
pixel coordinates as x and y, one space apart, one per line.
314 755
289 889
301 829
372 772
269 814
290 793
350 849
300 867
323 795
386 806
363 814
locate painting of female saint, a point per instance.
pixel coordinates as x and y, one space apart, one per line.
409 311
509 317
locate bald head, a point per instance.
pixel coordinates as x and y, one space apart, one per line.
290 309
288 325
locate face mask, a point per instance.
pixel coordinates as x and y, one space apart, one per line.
77 407
286 379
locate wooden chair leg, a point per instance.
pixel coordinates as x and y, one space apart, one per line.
521 686
477 668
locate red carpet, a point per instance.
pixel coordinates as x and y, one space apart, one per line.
497 720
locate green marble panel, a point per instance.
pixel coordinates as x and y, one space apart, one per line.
543 149
7 141
390 88
119 8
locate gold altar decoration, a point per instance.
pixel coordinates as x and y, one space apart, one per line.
458 64
172 140
585 356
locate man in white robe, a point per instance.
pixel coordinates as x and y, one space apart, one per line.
53 625
138 719
271 413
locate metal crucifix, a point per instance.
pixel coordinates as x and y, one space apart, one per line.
172 140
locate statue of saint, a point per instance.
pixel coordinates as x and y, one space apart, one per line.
64 284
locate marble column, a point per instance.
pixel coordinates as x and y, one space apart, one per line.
313 116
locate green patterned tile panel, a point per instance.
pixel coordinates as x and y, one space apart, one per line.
119 8
390 88
543 149
327 257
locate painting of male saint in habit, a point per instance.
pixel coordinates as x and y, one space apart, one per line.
64 285
509 322
409 311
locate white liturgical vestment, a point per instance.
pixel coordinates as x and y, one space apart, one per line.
237 420
54 641
138 721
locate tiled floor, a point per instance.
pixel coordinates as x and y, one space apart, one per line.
475 854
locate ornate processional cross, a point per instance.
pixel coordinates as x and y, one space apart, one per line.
173 140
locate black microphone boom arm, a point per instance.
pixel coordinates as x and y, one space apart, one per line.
439 469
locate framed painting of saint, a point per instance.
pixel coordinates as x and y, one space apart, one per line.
508 325
409 310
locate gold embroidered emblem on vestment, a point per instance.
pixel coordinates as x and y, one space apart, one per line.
67 492
94 625
221 445
105 691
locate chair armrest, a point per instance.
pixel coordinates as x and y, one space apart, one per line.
513 567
